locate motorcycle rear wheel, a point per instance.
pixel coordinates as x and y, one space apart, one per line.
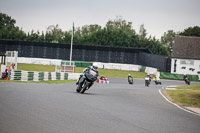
78 89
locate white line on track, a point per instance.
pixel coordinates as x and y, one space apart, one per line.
177 105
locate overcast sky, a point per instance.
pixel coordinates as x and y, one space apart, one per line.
158 16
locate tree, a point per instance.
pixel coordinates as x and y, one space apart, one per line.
54 34
42 37
191 31
8 30
119 23
168 39
6 21
86 34
116 33
33 36
67 37
142 32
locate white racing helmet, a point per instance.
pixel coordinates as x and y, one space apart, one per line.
95 65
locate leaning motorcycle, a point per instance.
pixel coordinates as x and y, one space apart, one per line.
89 78
187 81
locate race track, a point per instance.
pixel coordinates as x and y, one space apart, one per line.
106 108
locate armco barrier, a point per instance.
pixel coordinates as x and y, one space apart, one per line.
42 76
165 75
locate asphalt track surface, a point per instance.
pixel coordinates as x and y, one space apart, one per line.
106 108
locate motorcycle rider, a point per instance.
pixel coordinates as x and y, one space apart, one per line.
130 79
79 78
147 80
156 79
185 76
186 79
91 72
102 77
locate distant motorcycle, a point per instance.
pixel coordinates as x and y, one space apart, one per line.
187 81
147 81
103 80
130 81
157 82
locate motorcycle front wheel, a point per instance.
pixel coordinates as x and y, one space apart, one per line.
84 88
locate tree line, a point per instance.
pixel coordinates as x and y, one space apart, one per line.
116 33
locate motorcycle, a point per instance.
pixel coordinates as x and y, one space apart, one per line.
187 81
86 85
130 81
157 82
147 81
89 79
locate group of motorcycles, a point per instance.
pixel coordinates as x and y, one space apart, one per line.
156 80
88 81
147 80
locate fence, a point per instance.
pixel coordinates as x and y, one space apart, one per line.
166 75
86 53
163 63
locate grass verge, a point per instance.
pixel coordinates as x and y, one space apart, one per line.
36 67
185 95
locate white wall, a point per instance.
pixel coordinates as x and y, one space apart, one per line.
42 61
128 67
179 66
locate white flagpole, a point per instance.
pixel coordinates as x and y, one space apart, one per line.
71 43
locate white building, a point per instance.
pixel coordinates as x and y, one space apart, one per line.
186 55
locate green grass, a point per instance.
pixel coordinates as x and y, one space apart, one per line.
186 95
192 87
36 67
